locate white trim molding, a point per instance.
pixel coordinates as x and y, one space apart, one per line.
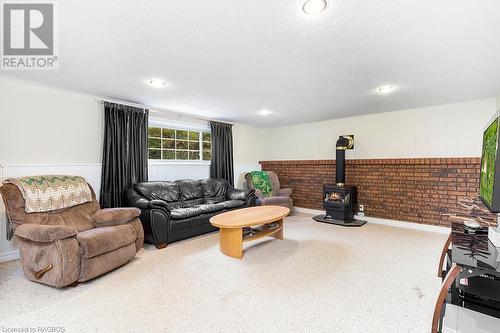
391 223
9 256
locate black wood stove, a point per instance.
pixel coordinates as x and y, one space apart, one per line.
340 201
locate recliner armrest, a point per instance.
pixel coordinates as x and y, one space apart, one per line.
115 216
45 233
284 192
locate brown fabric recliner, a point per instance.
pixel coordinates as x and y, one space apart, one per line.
71 245
279 197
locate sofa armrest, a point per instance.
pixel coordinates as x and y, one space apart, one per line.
236 194
45 233
115 216
136 200
284 192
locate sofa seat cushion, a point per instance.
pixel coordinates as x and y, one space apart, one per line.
184 213
228 204
97 241
210 208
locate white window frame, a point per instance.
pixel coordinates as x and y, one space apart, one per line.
183 127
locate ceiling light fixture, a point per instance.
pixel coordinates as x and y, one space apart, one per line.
314 7
265 112
385 89
156 83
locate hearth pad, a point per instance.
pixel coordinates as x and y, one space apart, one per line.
322 218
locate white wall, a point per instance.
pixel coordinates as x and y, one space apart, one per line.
248 144
453 130
44 125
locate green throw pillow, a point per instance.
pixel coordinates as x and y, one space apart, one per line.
261 182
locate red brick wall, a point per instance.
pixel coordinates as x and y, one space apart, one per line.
413 190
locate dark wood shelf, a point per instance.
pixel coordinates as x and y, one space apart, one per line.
262 232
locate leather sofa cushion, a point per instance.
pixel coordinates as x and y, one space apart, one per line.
166 191
115 216
215 190
97 241
189 189
184 213
192 203
209 208
187 212
228 204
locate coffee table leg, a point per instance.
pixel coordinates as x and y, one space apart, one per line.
231 242
279 234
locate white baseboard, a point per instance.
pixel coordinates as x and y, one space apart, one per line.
8 256
392 223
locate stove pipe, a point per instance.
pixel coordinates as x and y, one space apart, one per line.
343 143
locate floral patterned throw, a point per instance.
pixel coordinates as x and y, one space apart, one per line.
48 193
262 182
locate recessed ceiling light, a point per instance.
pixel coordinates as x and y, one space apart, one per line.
264 112
385 89
314 7
157 83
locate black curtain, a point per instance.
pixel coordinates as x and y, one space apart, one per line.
125 152
222 151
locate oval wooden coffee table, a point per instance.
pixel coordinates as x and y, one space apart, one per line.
231 226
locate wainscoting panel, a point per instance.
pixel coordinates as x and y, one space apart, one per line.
413 190
174 171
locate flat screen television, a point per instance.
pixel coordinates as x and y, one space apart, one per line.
489 180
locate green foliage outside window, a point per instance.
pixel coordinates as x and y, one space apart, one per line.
175 144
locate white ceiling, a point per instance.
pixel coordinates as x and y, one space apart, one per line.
228 59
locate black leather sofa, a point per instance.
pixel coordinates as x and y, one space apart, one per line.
171 211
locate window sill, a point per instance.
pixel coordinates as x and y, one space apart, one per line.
167 162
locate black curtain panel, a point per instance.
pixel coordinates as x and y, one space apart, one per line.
125 152
222 151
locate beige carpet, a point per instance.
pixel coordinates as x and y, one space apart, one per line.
321 278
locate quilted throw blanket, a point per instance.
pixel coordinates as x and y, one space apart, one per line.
48 193
261 182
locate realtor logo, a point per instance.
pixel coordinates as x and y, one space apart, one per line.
29 36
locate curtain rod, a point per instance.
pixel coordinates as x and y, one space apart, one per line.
153 110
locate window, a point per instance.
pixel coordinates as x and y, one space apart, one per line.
176 144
